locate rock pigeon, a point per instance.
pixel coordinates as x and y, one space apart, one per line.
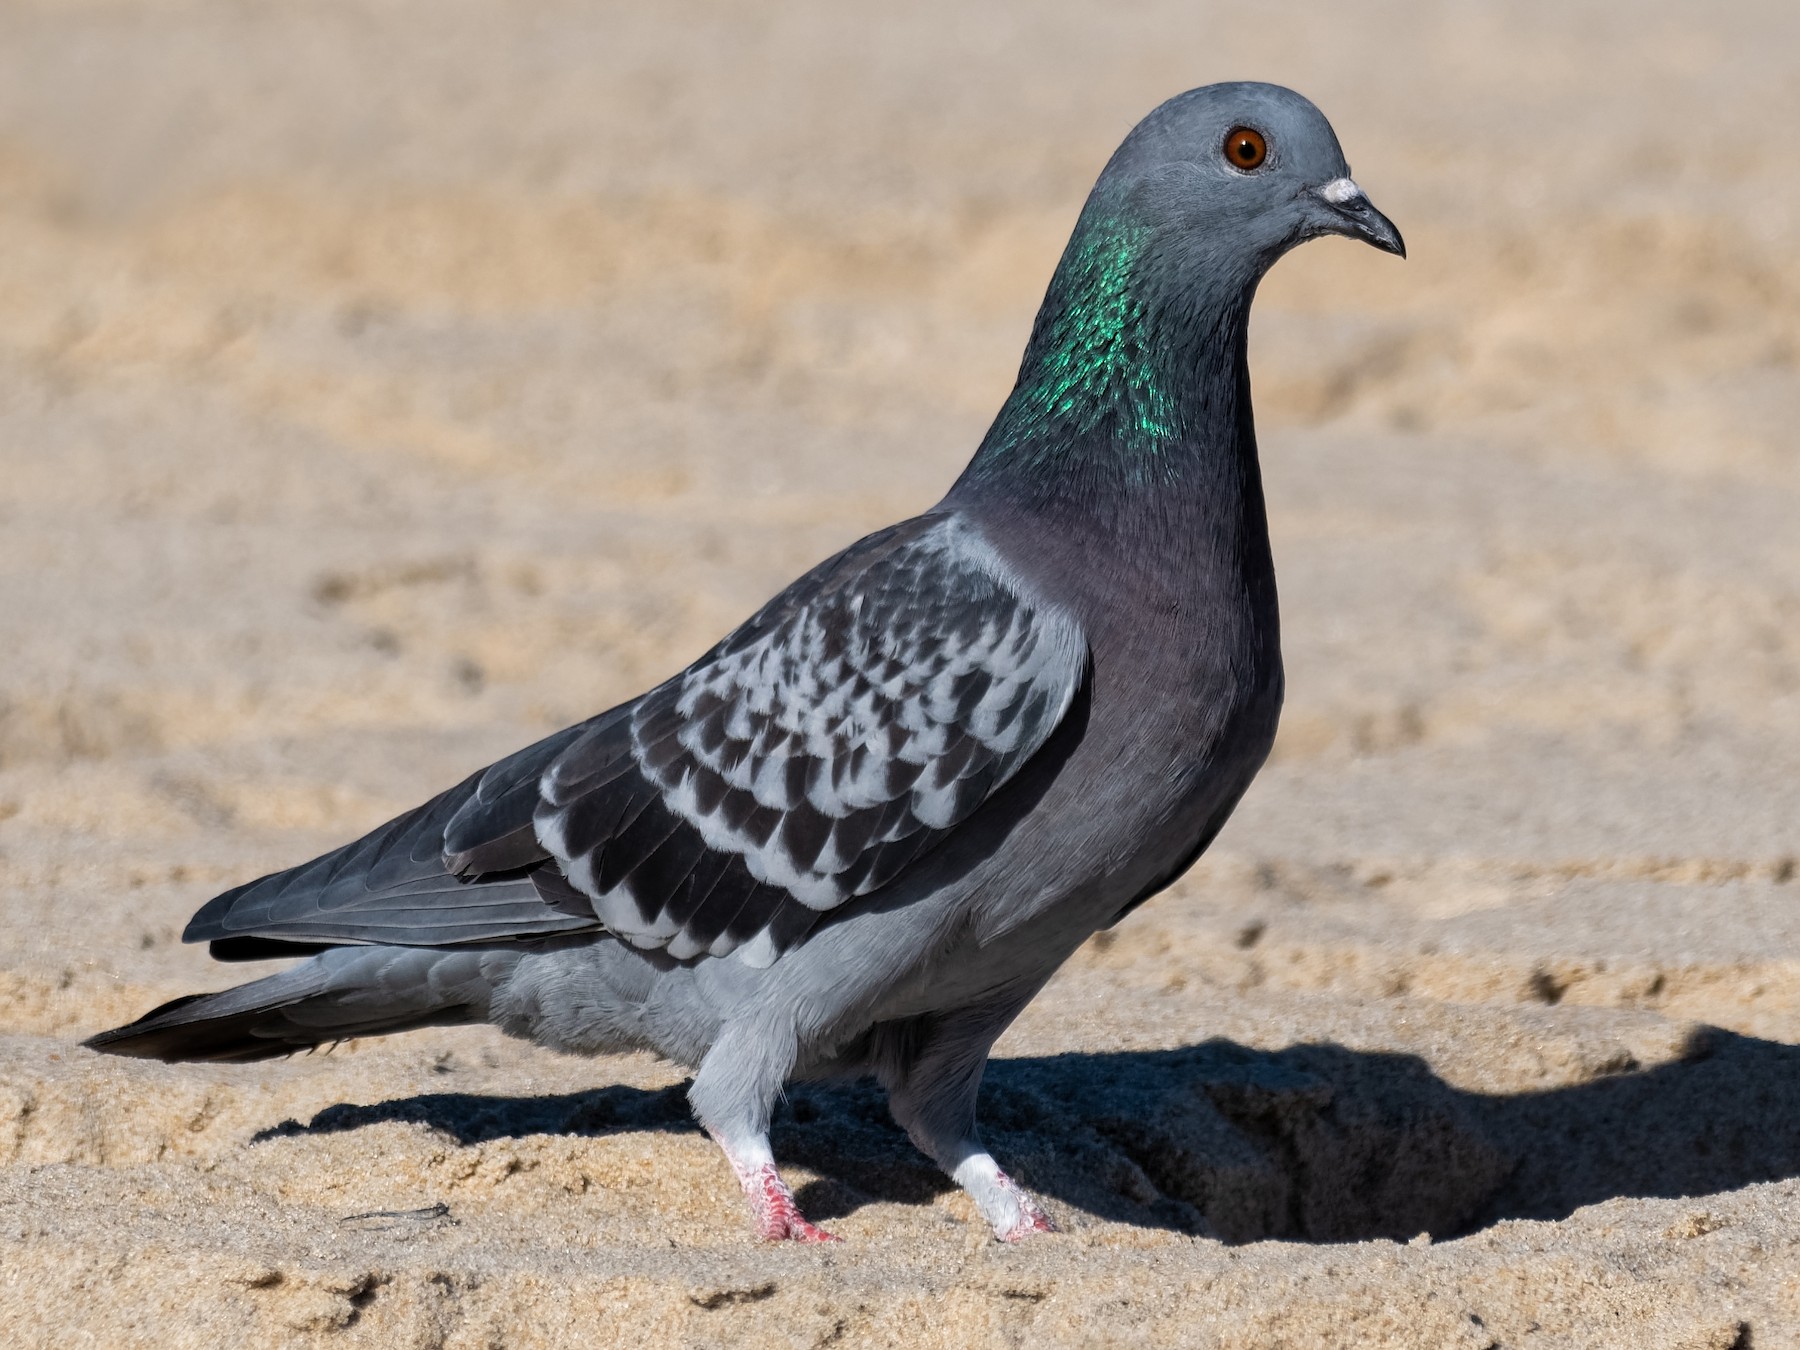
859 834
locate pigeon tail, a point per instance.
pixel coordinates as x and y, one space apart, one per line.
338 995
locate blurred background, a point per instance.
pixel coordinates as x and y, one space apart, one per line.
384 384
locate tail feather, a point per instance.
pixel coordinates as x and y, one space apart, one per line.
342 993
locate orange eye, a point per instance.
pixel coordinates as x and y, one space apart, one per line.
1246 149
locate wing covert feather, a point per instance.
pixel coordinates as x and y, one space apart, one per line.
837 736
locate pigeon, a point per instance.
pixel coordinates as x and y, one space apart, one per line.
861 833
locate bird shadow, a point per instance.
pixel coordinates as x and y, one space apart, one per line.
1315 1142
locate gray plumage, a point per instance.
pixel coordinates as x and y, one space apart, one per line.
859 834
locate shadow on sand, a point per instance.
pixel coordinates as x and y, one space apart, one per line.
1315 1142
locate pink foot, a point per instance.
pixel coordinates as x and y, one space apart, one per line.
776 1214
1031 1218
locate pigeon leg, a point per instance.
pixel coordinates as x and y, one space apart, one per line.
773 1209
933 1099
733 1095
1002 1202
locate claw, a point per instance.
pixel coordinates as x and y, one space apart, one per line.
1034 1221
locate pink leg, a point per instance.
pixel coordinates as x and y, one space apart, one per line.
776 1215
773 1210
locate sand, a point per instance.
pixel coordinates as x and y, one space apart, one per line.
384 384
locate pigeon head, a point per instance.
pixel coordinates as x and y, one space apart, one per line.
1228 178
1136 371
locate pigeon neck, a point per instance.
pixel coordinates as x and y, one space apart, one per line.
1135 379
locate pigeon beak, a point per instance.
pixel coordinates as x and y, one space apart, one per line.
1350 213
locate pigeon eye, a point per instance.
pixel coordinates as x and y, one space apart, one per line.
1245 149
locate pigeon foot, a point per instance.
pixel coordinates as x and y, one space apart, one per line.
1031 1218
1008 1207
776 1213
773 1210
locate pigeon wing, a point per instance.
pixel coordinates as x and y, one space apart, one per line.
811 757
818 751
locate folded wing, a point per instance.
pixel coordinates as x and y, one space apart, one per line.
810 758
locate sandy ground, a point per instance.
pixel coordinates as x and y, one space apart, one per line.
384 384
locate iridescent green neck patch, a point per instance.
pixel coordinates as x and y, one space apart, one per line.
1093 360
